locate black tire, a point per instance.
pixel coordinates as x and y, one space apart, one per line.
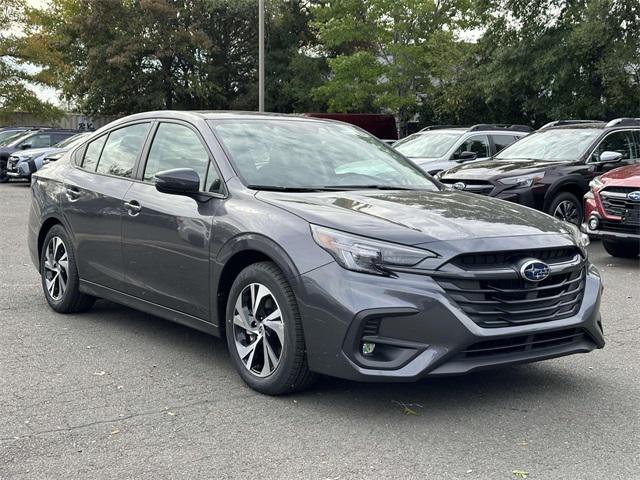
622 249
4 178
563 198
292 372
71 300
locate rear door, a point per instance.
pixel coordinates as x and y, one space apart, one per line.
502 141
166 237
92 202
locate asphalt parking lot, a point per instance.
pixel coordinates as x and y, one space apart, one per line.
116 393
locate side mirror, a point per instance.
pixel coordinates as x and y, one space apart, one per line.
25 146
467 155
610 157
178 181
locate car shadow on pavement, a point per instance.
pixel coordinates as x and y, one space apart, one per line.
508 388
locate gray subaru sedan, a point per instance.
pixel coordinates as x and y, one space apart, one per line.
311 246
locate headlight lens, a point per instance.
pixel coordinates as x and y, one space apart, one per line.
596 184
522 180
365 255
581 239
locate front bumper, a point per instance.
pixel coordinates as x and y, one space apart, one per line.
421 331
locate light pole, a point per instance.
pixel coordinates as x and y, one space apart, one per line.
261 55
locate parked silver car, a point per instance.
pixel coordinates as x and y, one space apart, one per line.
441 147
23 163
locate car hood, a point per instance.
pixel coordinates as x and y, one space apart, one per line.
628 176
488 169
32 152
414 217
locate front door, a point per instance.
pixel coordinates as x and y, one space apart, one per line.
92 202
166 237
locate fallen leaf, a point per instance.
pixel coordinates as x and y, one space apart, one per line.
115 432
99 374
520 473
171 413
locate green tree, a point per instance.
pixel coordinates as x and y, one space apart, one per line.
16 93
388 54
541 60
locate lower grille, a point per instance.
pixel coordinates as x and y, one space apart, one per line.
524 343
620 227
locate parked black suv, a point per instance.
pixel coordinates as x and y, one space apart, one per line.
40 138
550 169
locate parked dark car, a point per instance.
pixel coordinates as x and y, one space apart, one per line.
8 132
31 139
550 169
440 147
311 246
612 211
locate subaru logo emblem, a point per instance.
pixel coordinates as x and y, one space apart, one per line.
459 186
633 196
534 270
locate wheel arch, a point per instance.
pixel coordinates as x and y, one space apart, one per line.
237 254
47 225
572 186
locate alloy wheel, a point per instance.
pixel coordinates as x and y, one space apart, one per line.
567 211
258 330
56 268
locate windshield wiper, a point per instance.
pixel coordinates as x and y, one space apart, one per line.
277 188
365 187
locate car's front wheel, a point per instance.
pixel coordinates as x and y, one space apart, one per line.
59 272
566 207
264 331
622 249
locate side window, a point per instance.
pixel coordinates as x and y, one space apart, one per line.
624 142
121 150
503 141
177 146
58 137
478 144
38 141
92 154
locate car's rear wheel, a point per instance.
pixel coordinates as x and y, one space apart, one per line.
264 331
622 249
566 207
59 274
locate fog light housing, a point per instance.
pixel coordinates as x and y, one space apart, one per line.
593 223
368 348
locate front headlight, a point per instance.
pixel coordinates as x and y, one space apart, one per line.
596 184
522 180
366 255
581 239
439 175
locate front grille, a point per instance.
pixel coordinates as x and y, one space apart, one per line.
620 227
489 289
475 186
615 202
524 343
484 260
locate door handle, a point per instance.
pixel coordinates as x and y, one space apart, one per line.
73 193
133 207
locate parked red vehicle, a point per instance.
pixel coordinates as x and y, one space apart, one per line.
612 211
381 125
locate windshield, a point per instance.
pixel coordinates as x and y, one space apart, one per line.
71 141
11 137
294 154
428 145
562 145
